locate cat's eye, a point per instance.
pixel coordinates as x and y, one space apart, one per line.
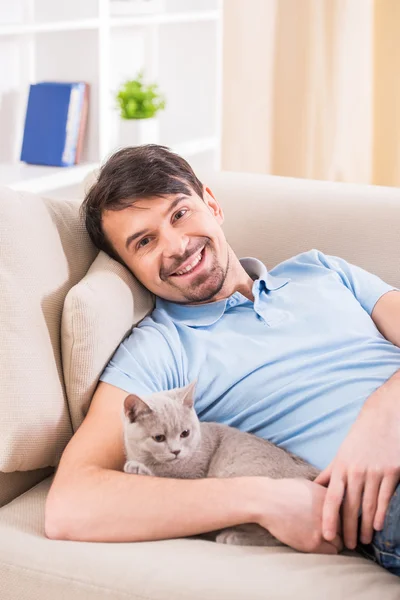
159 438
185 433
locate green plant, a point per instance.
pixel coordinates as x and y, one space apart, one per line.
136 100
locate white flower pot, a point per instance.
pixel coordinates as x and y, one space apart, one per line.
135 132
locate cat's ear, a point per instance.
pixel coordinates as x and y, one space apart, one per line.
135 407
188 394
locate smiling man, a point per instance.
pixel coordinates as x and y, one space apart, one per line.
306 355
174 244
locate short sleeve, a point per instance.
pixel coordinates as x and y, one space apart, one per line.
366 287
144 362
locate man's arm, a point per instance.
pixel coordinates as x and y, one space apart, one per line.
386 316
366 470
92 499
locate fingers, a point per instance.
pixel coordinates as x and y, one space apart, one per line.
388 485
333 501
324 477
327 548
351 506
369 505
338 543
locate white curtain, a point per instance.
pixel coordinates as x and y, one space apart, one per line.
312 89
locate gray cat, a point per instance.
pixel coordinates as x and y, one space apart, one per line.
164 437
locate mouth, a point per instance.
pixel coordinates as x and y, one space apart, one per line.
193 267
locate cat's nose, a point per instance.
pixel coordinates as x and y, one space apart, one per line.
176 452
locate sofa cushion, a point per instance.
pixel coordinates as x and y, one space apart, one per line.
16 483
99 312
44 250
34 567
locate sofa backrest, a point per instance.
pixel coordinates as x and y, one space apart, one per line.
274 218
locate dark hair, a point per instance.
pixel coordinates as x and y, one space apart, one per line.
133 173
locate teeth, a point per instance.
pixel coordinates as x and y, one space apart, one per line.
191 266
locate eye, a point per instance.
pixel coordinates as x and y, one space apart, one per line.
185 433
159 438
141 244
182 210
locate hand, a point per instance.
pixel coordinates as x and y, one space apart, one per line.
295 516
365 472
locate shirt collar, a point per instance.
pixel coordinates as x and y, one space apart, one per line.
259 272
201 315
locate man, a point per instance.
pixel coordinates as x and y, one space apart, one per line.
307 356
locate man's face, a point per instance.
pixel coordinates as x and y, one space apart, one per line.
174 245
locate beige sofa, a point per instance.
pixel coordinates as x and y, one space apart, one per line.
44 251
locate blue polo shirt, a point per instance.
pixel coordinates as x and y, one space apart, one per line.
295 366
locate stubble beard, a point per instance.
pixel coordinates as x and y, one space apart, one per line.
207 285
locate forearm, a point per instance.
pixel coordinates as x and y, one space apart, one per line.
387 392
112 506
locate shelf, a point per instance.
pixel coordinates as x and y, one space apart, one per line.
38 178
166 18
85 24
82 40
54 26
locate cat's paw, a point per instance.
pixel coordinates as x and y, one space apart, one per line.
131 466
229 536
248 534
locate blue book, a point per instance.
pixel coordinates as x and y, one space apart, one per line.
52 123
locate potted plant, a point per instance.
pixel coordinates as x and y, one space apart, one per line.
138 105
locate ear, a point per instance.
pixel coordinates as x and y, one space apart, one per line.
212 204
135 407
188 394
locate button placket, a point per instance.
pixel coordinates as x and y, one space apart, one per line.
270 315
262 320
259 314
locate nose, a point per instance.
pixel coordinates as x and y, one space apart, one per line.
176 452
174 243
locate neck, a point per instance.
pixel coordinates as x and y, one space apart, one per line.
237 280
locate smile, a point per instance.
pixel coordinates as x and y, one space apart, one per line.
191 267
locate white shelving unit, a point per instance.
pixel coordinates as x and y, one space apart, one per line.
40 179
179 48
